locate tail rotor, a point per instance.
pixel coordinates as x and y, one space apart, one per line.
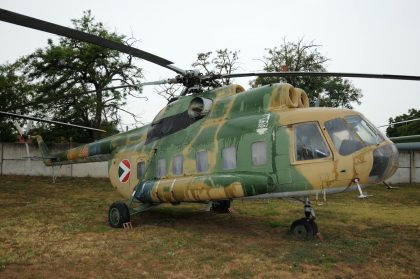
25 137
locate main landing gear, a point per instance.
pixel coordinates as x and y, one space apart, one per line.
305 228
222 206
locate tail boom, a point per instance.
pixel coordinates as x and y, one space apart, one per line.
93 152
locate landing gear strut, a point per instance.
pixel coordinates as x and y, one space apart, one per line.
305 228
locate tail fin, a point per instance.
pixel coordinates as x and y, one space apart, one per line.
43 149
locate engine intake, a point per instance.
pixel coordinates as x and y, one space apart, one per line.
199 107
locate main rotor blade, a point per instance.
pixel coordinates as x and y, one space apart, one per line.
321 74
137 86
400 122
49 121
45 26
157 82
111 88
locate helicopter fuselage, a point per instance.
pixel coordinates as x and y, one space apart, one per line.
232 144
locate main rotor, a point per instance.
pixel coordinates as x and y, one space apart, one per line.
192 80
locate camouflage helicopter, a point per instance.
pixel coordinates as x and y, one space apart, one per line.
215 146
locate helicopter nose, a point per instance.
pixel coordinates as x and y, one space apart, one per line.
385 163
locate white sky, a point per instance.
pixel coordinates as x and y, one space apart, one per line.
358 36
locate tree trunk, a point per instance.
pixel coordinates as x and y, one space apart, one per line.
98 112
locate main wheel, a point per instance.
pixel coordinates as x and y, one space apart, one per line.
118 214
304 229
220 206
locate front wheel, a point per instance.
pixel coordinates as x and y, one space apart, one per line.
304 229
118 214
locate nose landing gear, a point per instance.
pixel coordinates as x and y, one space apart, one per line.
305 228
118 214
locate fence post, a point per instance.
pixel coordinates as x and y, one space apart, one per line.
412 166
1 159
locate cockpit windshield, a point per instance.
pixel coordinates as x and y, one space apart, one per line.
352 133
348 134
344 139
369 134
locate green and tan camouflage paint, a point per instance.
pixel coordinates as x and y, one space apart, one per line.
237 118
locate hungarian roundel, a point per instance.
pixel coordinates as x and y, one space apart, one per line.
124 170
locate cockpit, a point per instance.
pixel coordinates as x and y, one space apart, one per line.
345 135
352 133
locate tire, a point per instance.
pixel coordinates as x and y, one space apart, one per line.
118 214
304 229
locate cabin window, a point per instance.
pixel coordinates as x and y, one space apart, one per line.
342 136
141 168
259 153
229 158
309 143
177 162
366 131
202 163
161 168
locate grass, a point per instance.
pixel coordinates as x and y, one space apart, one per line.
60 230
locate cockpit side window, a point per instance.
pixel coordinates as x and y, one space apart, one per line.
309 143
345 141
369 134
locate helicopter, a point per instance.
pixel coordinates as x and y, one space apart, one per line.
224 144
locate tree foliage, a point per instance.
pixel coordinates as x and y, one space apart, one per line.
65 71
169 91
222 61
15 93
404 129
301 56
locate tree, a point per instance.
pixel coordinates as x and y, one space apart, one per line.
169 91
65 72
404 129
301 56
15 93
222 61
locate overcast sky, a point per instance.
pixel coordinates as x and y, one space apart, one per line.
358 36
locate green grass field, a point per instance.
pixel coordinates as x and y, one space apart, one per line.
60 231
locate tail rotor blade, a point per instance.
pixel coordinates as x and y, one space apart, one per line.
18 128
28 127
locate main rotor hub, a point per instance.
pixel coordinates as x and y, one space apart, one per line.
194 80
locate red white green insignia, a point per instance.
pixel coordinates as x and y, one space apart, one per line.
124 170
